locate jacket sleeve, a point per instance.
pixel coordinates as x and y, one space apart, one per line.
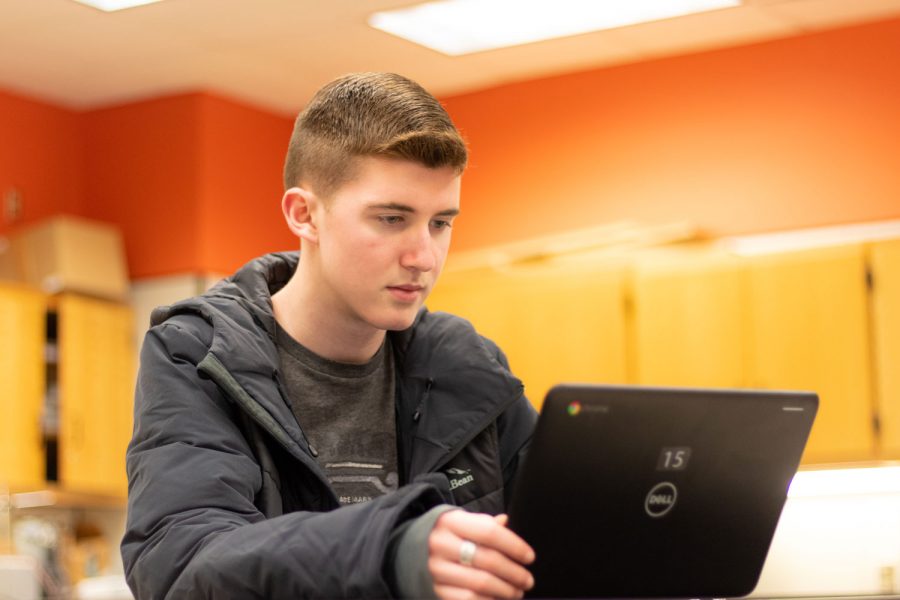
514 430
192 527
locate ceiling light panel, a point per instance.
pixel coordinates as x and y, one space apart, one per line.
457 27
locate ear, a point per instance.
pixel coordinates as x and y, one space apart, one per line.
299 206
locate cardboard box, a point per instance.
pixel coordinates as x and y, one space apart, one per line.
70 254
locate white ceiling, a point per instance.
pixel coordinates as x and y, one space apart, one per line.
276 53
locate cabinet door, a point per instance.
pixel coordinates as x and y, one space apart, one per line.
689 320
885 265
96 394
809 316
556 321
22 329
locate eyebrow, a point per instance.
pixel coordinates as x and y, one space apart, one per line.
450 212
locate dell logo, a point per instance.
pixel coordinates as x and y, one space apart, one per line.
661 499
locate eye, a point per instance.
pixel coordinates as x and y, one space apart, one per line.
441 224
390 219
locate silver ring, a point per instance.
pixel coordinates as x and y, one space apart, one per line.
467 553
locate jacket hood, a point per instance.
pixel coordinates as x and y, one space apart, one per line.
239 309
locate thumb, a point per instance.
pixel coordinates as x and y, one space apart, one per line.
502 519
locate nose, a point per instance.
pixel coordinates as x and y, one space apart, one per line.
420 251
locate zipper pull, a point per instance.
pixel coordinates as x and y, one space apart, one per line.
428 383
277 379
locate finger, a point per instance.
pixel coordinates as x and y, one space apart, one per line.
449 592
502 519
482 583
448 534
486 559
485 531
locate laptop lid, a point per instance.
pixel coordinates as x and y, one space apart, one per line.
633 492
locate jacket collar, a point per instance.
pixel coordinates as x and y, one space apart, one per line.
469 388
242 358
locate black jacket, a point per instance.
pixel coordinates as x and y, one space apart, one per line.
225 499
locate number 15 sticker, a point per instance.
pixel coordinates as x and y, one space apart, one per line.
674 458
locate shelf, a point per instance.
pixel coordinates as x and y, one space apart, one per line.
55 498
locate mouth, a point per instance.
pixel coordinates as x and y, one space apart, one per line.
406 293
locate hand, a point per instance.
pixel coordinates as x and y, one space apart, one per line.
496 569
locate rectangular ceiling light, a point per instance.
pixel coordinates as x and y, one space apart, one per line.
457 27
111 5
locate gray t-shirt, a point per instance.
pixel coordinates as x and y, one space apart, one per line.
347 413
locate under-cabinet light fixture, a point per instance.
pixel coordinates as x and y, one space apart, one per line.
111 5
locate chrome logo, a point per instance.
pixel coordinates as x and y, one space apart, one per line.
574 408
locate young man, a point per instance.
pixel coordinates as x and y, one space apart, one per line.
305 429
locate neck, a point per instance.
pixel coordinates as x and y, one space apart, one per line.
310 319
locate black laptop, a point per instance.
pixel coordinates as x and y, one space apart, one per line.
639 492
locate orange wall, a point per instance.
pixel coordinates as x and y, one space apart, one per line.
792 133
785 134
41 155
242 152
194 181
143 175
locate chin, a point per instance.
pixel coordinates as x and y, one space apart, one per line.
398 322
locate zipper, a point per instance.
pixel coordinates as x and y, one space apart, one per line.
284 398
216 371
476 431
429 383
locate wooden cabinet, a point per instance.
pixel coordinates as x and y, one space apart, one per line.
96 391
885 270
788 320
560 320
810 330
22 331
76 388
796 321
825 320
689 319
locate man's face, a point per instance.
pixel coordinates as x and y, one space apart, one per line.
382 240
